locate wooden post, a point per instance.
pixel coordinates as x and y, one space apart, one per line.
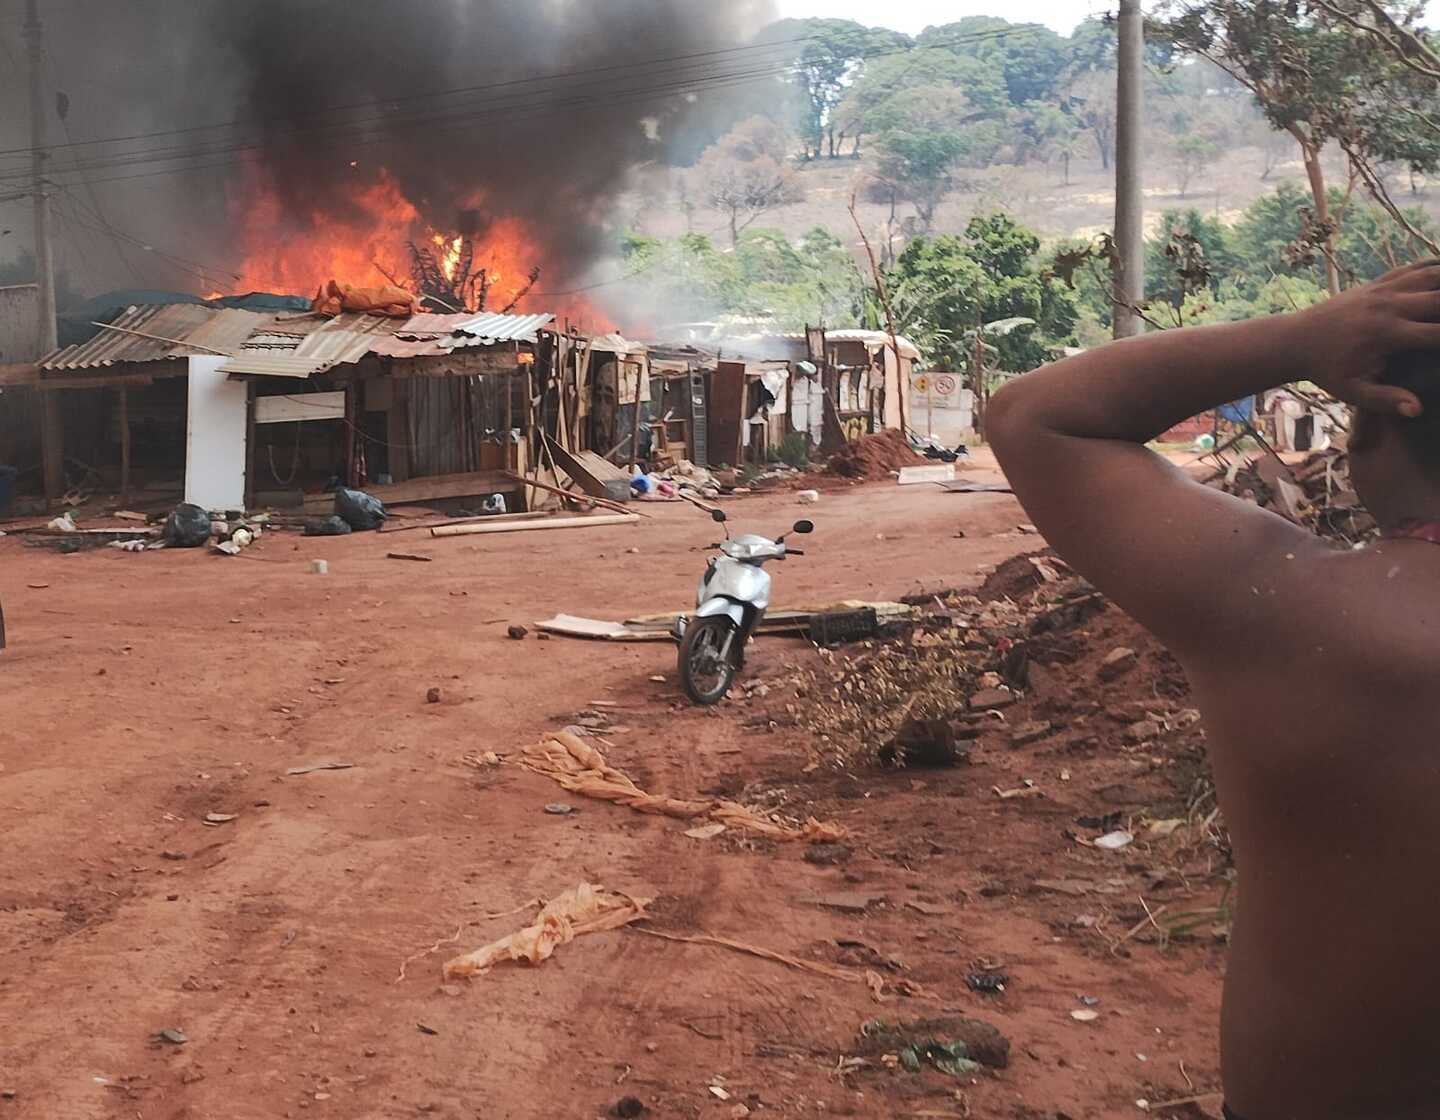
124 445
350 435
635 434
52 444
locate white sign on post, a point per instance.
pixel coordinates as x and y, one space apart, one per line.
214 436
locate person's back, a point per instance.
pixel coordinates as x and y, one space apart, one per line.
1315 670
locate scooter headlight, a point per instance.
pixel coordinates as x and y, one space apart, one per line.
746 550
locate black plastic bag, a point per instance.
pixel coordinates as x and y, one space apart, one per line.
332 526
188 526
359 510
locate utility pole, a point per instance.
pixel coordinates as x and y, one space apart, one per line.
1129 203
51 432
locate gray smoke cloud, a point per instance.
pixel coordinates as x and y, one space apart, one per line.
325 93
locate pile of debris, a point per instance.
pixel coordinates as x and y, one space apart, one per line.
875 456
1315 493
921 697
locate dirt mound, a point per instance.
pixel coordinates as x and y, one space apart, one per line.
875 456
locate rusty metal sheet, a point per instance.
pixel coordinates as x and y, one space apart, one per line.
171 322
228 331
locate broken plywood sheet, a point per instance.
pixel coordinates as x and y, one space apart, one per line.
934 472
574 626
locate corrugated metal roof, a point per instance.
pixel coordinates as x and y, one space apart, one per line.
872 338
228 330
269 363
502 328
283 345
171 322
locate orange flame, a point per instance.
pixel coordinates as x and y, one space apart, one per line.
366 242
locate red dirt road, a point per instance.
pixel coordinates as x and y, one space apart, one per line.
141 692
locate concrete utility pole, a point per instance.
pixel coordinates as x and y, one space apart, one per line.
51 432
1129 203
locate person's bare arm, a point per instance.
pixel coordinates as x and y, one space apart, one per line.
1193 564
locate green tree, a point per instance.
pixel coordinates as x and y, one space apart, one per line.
887 76
1050 133
920 136
826 63
1029 56
945 290
1192 155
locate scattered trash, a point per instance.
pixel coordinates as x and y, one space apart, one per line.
173 1035
432 696
320 567
909 476
1117 663
988 983
559 809
332 526
719 1093
1114 841
627 1108
807 497
219 818
1084 1015
516 633
1028 789
580 768
423 1029
1165 827
705 831
585 908
65 523
954 1045
188 526
1089 1001
128 546
358 509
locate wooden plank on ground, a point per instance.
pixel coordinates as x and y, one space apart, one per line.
587 470
592 522
931 472
573 626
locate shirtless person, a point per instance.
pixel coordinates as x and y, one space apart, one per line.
1318 672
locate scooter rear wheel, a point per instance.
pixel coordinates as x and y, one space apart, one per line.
704 670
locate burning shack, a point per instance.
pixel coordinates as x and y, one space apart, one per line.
234 408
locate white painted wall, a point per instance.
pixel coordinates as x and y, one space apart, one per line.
214 437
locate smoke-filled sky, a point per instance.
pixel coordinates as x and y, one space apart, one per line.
328 91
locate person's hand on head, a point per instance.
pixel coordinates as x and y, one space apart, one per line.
1350 337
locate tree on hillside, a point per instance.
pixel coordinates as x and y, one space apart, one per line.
1029 56
1050 134
826 61
1192 154
746 173
921 134
1091 98
885 77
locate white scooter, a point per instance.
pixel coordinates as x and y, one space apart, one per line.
734 594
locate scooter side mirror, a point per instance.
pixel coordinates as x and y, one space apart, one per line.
717 515
803 527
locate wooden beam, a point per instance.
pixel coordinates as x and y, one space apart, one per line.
124 445
592 522
586 499
52 443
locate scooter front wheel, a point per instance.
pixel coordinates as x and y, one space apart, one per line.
705 670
